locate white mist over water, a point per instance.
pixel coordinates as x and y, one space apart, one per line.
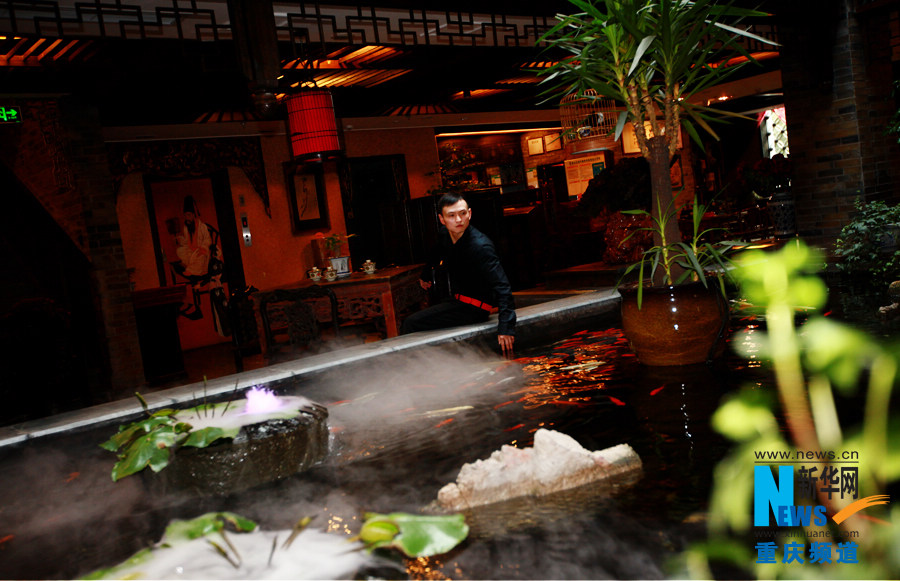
64 516
402 426
256 555
406 400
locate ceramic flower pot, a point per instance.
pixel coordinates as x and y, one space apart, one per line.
676 325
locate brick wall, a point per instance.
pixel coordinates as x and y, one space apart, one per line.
94 183
836 71
34 150
58 154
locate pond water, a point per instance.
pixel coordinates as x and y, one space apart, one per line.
401 428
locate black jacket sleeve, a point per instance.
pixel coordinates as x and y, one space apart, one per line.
492 272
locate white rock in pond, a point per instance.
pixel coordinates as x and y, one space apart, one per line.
556 462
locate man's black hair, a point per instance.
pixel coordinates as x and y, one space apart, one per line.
449 199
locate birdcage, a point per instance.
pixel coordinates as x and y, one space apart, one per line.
589 122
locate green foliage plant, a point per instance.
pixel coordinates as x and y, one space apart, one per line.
335 243
860 247
650 57
150 442
811 363
894 123
679 262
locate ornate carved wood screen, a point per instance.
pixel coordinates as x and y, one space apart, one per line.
191 158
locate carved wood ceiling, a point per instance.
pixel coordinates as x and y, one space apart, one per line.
174 61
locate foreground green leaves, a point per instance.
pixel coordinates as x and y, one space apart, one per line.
414 535
812 363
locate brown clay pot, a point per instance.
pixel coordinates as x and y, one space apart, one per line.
676 325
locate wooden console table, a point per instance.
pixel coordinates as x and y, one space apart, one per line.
388 292
156 315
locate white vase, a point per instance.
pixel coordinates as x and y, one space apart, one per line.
341 265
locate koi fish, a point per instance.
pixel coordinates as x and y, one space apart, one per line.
580 404
447 411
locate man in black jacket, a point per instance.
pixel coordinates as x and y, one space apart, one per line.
477 280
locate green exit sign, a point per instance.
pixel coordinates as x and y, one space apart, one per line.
10 114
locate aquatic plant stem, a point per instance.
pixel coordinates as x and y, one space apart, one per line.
272 552
821 399
792 389
231 546
789 374
298 528
878 396
223 553
143 402
227 405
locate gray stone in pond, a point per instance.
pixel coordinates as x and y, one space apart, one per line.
260 453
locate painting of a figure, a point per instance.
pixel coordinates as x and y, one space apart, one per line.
306 196
191 254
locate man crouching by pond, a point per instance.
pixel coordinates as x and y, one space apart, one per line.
477 281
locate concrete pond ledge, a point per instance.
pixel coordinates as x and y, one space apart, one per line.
536 324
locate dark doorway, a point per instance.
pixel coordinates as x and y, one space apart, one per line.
51 348
376 196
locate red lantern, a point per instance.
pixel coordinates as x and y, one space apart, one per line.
312 125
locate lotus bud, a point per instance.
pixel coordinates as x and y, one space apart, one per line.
378 531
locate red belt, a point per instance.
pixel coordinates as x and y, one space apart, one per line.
474 302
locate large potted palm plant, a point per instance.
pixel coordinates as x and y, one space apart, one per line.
651 57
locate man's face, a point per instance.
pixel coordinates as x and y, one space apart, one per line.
456 218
